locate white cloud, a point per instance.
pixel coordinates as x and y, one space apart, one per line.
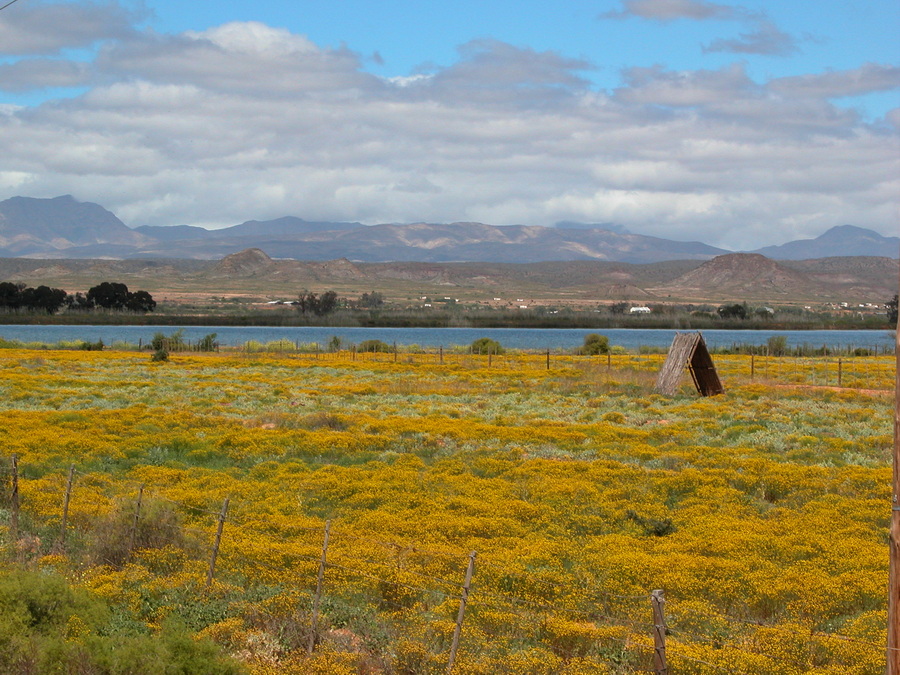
47 28
670 10
868 78
41 73
766 39
246 121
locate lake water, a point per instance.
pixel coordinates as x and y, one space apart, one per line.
514 338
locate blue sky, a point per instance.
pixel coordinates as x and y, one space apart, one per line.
741 124
411 35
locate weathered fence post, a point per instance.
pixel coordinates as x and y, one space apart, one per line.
14 501
657 600
548 358
65 514
840 372
752 366
395 351
314 624
463 599
134 523
608 361
441 353
215 549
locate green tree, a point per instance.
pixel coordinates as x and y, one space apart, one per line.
10 294
140 301
735 311
892 310
114 295
310 303
328 302
372 300
108 295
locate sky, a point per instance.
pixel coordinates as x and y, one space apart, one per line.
739 124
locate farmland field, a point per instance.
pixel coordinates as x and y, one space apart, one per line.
567 489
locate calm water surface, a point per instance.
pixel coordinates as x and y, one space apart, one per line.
514 338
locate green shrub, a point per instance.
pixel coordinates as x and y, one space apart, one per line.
777 345
374 346
595 344
48 626
254 346
174 342
157 526
486 346
160 354
208 343
282 345
652 527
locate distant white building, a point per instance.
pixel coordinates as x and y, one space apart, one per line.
639 310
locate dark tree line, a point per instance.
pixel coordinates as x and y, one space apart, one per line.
40 299
320 305
107 295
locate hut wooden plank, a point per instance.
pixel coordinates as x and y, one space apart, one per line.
688 350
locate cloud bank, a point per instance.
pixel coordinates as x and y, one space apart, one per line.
249 121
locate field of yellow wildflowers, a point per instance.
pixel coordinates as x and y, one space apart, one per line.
762 514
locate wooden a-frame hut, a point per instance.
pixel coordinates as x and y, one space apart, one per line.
689 349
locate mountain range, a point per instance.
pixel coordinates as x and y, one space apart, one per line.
63 227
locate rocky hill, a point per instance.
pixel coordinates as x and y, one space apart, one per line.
731 277
753 276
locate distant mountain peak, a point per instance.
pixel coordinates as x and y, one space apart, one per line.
839 241
30 225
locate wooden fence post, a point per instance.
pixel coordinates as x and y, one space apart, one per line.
608 361
463 599
215 550
61 542
548 358
314 624
752 366
442 354
893 620
840 372
14 501
657 600
134 523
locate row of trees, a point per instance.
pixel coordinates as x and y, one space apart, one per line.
107 295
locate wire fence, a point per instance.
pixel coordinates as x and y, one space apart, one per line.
326 582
